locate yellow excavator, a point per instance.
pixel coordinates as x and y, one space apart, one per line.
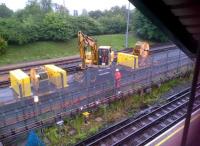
96 56
141 49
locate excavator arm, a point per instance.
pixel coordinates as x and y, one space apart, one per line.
84 42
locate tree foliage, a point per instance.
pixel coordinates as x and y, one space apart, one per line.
86 25
145 29
95 14
3 45
111 21
42 20
46 5
5 12
112 25
57 26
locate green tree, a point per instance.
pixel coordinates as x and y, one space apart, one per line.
3 45
32 9
116 10
87 25
115 24
111 21
46 5
145 29
11 30
32 29
38 22
57 27
95 14
5 12
61 9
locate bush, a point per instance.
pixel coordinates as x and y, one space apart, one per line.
33 23
5 12
115 24
87 25
146 29
57 26
13 31
3 45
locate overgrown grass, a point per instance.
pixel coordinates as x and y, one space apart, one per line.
108 114
47 50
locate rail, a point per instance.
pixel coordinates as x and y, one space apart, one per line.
76 60
72 65
121 132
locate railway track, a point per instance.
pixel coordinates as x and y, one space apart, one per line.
74 61
45 122
67 63
72 64
138 132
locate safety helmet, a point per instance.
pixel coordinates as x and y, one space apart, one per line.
117 69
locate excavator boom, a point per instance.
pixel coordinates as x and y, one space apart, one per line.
85 42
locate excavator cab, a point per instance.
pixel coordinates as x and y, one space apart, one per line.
105 55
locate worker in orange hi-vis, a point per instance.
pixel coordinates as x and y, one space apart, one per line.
118 77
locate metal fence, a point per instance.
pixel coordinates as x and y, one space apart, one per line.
88 89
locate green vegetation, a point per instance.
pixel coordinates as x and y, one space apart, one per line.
3 45
5 12
75 129
117 41
46 50
37 32
145 28
38 22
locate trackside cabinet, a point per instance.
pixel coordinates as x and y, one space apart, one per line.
20 83
57 76
127 60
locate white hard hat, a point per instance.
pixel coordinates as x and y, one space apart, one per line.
117 69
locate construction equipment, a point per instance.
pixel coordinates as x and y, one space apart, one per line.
141 49
98 56
127 60
38 76
44 75
20 83
57 76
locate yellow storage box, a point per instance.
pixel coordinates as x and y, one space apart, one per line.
57 76
20 83
127 60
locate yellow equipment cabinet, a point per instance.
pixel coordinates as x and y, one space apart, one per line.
57 76
127 60
20 83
